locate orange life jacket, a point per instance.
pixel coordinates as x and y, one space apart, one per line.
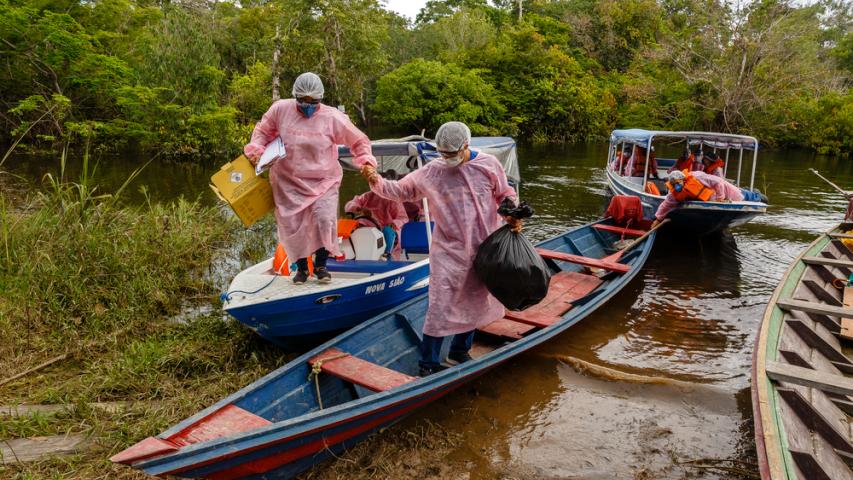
714 166
652 188
281 264
640 162
685 163
692 190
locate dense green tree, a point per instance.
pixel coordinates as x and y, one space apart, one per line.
422 95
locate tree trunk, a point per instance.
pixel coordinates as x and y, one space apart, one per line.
275 59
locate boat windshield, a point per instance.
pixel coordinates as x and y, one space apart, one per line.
726 146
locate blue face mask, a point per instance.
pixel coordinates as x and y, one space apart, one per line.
307 109
678 187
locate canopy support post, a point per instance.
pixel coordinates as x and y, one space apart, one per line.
754 161
426 208
726 166
646 170
739 164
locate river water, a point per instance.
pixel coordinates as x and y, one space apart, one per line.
684 327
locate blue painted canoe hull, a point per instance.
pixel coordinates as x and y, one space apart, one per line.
300 434
699 218
295 320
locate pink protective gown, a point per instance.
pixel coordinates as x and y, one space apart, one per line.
384 211
463 203
723 190
305 183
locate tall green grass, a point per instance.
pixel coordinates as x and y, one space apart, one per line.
84 273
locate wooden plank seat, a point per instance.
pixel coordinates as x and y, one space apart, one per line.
361 372
620 230
825 260
813 307
508 328
585 261
565 288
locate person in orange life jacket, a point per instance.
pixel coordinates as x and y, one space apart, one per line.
695 186
389 215
684 162
713 164
637 165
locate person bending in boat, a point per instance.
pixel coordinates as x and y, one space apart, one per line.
699 186
464 189
389 215
306 182
712 164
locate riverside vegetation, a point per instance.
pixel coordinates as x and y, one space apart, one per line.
100 281
189 78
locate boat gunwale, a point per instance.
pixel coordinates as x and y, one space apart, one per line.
322 291
752 207
307 424
775 462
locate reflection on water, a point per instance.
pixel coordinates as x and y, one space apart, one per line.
690 315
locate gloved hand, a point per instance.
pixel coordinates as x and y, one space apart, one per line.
515 224
369 173
253 153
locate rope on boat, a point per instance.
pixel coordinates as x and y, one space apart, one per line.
226 296
317 368
841 283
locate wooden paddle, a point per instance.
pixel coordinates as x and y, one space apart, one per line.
618 255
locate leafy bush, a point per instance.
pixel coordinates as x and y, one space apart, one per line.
424 94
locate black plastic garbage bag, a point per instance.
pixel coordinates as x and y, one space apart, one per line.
512 270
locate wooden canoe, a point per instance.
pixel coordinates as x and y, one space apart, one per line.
802 394
277 426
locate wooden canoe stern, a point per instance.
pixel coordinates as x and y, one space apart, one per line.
226 421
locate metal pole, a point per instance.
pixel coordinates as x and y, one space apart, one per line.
739 163
621 157
646 170
726 166
426 209
754 162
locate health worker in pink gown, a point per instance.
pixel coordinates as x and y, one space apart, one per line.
464 188
306 182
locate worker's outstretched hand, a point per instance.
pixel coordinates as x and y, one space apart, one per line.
655 223
514 223
369 173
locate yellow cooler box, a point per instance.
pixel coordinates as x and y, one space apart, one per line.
249 195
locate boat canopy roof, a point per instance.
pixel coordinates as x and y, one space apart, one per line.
401 155
711 139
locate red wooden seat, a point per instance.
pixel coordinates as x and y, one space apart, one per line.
361 372
504 327
585 261
565 288
620 230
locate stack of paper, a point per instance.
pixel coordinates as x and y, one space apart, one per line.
275 151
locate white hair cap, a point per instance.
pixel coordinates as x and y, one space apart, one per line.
452 136
676 175
308 85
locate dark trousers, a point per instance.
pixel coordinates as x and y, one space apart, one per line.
431 347
320 258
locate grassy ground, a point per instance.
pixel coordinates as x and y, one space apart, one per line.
84 275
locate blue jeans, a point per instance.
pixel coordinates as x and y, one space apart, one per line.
431 347
750 196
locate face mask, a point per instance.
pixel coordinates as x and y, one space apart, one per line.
307 109
678 187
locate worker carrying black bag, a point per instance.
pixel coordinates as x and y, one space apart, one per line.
507 263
